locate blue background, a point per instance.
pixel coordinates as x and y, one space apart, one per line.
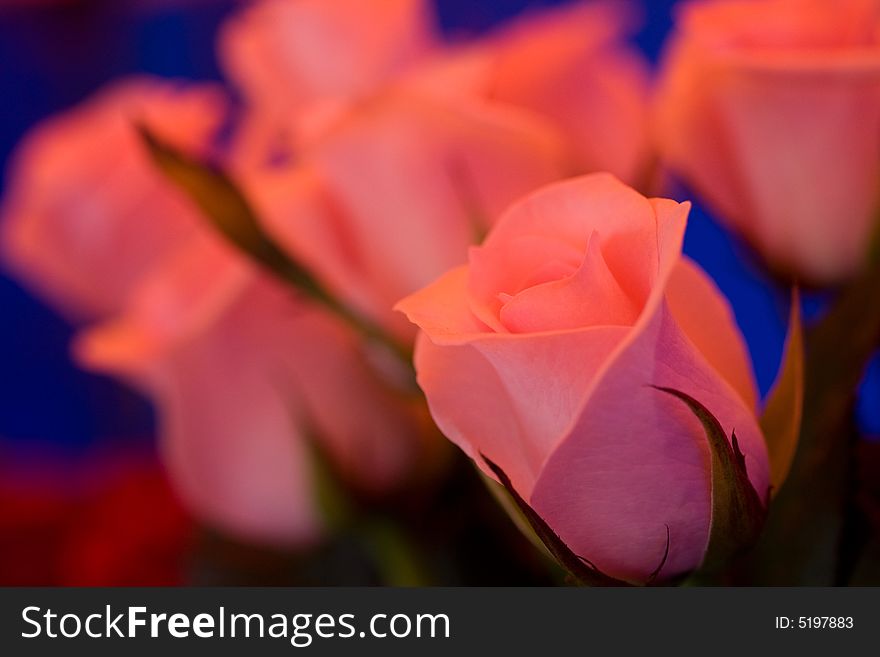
51 58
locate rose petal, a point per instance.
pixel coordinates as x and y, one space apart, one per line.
411 181
569 212
441 309
707 320
747 125
286 55
643 460
240 369
563 64
232 445
591 296
86 215
800 25
519 393
371 430
296 208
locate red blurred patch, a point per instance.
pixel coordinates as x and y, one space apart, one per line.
108 522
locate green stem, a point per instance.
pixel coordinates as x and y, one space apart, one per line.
802 538
393 553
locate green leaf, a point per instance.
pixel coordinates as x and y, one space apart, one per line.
738 511
513 511
781 421
582 569
227 210
394 553
334 498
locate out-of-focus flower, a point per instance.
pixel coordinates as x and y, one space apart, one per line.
114 522
87 216
240 369
400 186
245 375
311 60
772 111
542 354
291 53
293 56
570 65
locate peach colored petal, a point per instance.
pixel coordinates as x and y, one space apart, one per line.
565 64
287 56
441 309
590 296
569 212
706 318
410 181
232 445
688 131
243 372
295 206
820 228
178 303
784 24
371 428
511 397
777 127
541 378
464 70
86 214
230 427
626 434
642 459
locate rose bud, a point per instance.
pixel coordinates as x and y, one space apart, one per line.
544 355
771 110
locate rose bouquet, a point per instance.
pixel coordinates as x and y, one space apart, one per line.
393 295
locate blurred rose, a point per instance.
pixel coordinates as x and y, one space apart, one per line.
114 522
541 353
289 56
570 66
86 215
244 373
772 110
239 368
310 60
400 186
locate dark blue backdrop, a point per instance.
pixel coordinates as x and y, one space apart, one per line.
52 58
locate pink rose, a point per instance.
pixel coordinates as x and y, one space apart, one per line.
291 57
772 111
241 370
400 186
309 60
243 373
569 65
296 52
87 215
541 355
